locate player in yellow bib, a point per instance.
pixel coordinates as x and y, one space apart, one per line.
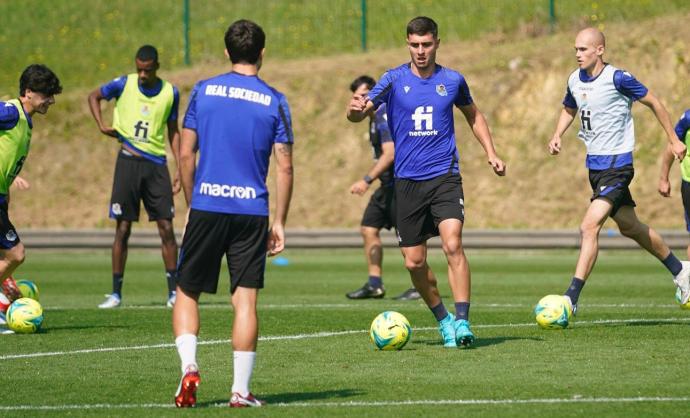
38 86
145 105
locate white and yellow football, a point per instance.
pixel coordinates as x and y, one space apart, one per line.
553 312
390 331
25 316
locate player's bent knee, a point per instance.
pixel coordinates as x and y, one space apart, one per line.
16 254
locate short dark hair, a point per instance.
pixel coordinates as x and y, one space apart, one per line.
147 53
244 41
39 78
421 25
362 79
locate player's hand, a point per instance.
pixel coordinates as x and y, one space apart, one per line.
177 185
21 183
679 149
555 145
357 103
359 187
498 165
665 187
276 240
109 130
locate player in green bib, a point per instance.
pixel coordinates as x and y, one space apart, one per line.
38 86
681 129
145 106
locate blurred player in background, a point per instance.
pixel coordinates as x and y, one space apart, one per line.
235 121
602 95
380 212
420 96
38 86
145 106
667 160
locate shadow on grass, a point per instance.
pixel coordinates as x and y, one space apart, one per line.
649 323
52 328
478 343
291 397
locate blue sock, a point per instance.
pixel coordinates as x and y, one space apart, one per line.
439 312
375 281
118 278
672 264
171 278
574 290
462 310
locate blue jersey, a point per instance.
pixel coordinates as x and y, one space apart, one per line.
420 117
114 88
237 119
683 125
9 116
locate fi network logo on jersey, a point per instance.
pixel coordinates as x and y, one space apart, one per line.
423 115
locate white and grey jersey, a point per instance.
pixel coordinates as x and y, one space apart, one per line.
604 106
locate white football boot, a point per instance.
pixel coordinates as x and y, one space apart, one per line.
682 280
111 301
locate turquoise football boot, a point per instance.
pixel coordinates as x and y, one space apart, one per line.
463 334
445 327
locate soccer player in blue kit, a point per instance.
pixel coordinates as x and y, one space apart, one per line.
234 120
602 95
420 96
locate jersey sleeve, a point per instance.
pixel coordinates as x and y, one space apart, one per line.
114 88
9 116
190 117
381 124
463 96
628 85
683 125
284 129
569 100
175 105
379 94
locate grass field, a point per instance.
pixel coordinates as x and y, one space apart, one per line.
624 355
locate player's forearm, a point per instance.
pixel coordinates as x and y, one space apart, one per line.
187 166
284 184
564 120
95 108
666 163
480 128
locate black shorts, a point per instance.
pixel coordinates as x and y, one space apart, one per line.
139 179
8 235
380 212
422 205
210 235
685 194
612 184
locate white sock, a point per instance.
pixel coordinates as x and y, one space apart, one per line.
186 348
243 365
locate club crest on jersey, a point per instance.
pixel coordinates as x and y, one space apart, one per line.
116 209
145 111
406 88
441 90
11 235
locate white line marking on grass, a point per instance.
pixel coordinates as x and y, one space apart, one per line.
366 305
407 402
322 334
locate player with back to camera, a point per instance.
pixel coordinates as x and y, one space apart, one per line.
420 96
145 106
602 95
38 86
235 121
380 212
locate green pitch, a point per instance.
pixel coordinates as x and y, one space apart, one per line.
624 355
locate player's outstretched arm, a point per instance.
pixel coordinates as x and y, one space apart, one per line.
284 182
480 129
564 120
187 162
677 147
95 98
382 164
359 108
